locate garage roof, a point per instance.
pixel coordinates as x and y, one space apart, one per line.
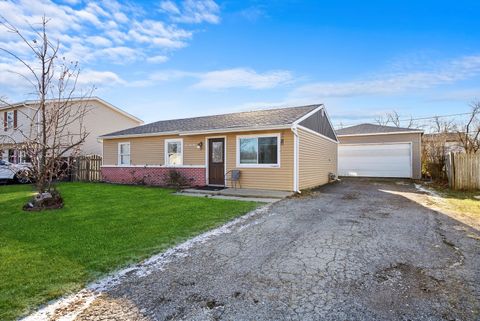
372 129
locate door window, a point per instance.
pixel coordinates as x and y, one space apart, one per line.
217 152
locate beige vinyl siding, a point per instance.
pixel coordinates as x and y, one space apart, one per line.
317 157
278 178
150 151
414 138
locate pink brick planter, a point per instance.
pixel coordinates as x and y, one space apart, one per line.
151 175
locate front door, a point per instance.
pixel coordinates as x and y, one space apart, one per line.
216 161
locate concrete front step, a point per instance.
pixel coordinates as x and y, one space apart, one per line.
235 198
241 192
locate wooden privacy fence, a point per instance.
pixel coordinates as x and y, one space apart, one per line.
463 171
87 168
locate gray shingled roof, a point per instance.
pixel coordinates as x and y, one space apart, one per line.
372 129
257 118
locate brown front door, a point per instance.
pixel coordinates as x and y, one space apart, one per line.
216 161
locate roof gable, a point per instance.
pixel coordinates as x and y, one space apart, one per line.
319 122
250 119
104 103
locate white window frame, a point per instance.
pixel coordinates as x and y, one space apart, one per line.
279 143
119 162
173 140
21 156
10 121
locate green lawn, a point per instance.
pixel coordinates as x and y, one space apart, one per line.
462 201
103 227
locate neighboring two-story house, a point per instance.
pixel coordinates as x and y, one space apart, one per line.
101 118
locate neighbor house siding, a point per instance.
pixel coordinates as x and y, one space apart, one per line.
414 138
98 120
317 158
150 151
22 131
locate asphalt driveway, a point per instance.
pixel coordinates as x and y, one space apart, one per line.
356 250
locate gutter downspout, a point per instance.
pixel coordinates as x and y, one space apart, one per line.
295 159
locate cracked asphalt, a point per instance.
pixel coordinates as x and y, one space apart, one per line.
355 250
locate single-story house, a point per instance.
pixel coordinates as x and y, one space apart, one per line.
287 149
371 150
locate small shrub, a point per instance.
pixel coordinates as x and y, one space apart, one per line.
177 180
136 180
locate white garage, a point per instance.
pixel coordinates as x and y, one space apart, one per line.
369 150
375 160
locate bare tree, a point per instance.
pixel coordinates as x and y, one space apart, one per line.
469 133
55 128
435 149
381 120
393 118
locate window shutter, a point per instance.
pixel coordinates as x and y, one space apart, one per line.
5 121
15 118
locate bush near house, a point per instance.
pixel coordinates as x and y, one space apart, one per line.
44 255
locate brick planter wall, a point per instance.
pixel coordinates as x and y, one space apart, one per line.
151 175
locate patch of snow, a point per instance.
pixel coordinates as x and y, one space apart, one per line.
69 307
428 191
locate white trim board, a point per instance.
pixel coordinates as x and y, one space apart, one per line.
331 124
156 166
201 132
316 133
295 160
298 121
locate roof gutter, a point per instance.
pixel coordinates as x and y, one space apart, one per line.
295 158
390 133
199 132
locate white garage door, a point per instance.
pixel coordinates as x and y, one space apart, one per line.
375 160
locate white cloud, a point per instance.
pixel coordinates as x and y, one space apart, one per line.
242 77
99 78
157 59
222 79
99 41
253 13
116 54
99 32
192 11
169 7
442 74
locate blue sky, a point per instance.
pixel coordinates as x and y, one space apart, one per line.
171 59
